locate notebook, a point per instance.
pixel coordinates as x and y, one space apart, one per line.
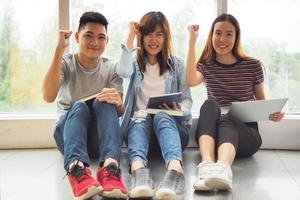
259 110
86 98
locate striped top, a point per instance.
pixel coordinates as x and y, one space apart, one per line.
235 82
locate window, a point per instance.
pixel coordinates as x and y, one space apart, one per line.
27 39
270 33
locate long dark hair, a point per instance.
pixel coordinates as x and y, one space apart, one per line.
147 25
209 53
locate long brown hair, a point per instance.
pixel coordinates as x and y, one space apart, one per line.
209 53
147 25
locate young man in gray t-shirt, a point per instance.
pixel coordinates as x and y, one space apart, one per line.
88 128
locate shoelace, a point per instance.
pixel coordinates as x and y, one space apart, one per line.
144 176
78 172
112 172
172 180
219 167
204 169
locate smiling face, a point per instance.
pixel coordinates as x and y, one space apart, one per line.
92 40
153 43
223 38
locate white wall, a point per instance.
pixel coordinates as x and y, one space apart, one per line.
37 132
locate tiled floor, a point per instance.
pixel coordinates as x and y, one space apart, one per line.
38 174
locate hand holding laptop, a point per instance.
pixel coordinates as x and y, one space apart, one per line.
276 117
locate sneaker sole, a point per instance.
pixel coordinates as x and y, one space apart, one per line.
167 194
141 191
202 188
218 183
92 191
115 193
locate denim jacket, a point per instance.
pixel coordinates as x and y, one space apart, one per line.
175 82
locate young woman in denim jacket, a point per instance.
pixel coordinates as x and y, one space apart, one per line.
154 71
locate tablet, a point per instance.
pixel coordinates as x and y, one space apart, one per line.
258 110
155 101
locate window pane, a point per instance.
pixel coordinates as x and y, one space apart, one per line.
271 34
179 13
27 39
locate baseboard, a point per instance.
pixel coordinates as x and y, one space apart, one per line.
36 131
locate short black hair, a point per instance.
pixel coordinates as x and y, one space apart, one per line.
93 17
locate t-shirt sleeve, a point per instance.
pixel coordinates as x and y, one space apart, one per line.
63 68
259 73
200 68
116 80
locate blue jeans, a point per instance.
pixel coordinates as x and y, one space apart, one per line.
89 129
171 135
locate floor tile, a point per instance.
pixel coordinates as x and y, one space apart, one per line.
268 175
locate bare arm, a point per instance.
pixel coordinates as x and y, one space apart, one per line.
193 77
259 92
51 82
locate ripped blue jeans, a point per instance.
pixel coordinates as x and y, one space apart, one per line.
171 135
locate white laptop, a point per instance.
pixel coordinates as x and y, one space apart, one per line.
258 110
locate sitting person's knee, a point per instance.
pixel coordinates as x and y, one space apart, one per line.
210 103
161 115
98 105
80 106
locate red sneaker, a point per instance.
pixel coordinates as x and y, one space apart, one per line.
110 178
83 184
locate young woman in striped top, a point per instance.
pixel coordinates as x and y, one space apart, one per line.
229 76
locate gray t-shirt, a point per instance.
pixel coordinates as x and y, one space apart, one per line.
78 82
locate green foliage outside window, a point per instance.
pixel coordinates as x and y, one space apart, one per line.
22 68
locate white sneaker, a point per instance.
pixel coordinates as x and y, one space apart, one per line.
171 187
220 177
141 185
203 172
